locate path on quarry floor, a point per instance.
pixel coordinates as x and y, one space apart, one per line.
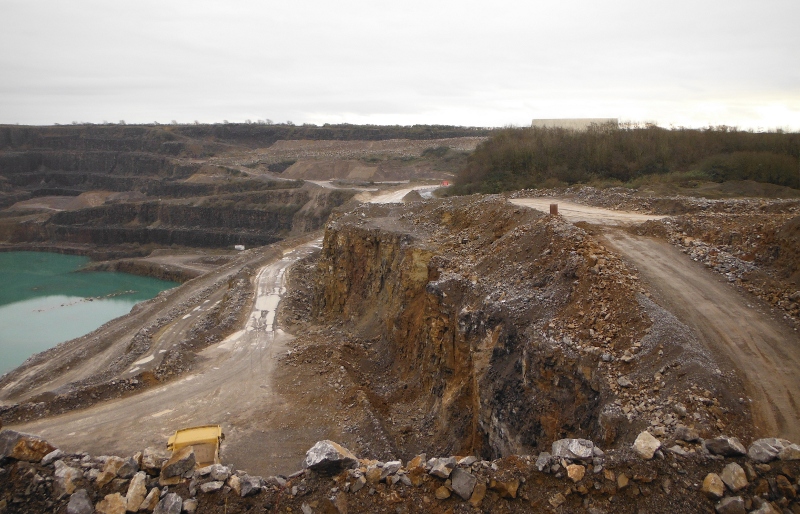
232 387
765 350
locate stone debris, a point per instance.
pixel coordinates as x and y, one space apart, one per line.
573 449
153 459
111 504
65 477
646 445
463 483
137 491
734 477
579 483
713 487
731 505
329 457
52 457
181 462
725 446
576 472
171 503
21 446
80 503
767 449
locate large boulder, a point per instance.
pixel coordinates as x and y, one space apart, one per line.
129 468
726 446
767 449
137 491
731 505
734 477
713 486
21 446
573 449
171 503
153 459
65 478
80 503
112 504
646 445
180 462
463 483
329 457
249 485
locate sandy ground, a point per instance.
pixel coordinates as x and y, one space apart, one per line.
738 329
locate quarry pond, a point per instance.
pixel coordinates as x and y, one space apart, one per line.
45 300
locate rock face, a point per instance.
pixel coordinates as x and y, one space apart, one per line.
328 457
21 446
646 445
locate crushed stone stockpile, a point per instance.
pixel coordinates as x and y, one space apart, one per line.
693 475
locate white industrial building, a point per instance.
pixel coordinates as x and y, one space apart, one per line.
579 124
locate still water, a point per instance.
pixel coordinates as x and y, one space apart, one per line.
44 300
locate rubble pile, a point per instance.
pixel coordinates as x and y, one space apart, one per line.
653 475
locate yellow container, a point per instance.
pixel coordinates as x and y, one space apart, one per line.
205 441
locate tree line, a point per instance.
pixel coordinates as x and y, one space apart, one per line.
518 158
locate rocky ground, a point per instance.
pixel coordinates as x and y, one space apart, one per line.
692 475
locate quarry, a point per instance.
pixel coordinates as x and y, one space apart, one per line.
373 349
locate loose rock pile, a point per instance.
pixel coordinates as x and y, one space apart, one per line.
715 475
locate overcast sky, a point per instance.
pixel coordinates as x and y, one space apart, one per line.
488 63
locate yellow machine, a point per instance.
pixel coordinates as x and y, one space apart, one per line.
205 441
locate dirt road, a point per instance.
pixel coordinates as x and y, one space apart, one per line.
233 387
736 328
575 212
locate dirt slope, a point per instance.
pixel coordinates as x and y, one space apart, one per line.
765 351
